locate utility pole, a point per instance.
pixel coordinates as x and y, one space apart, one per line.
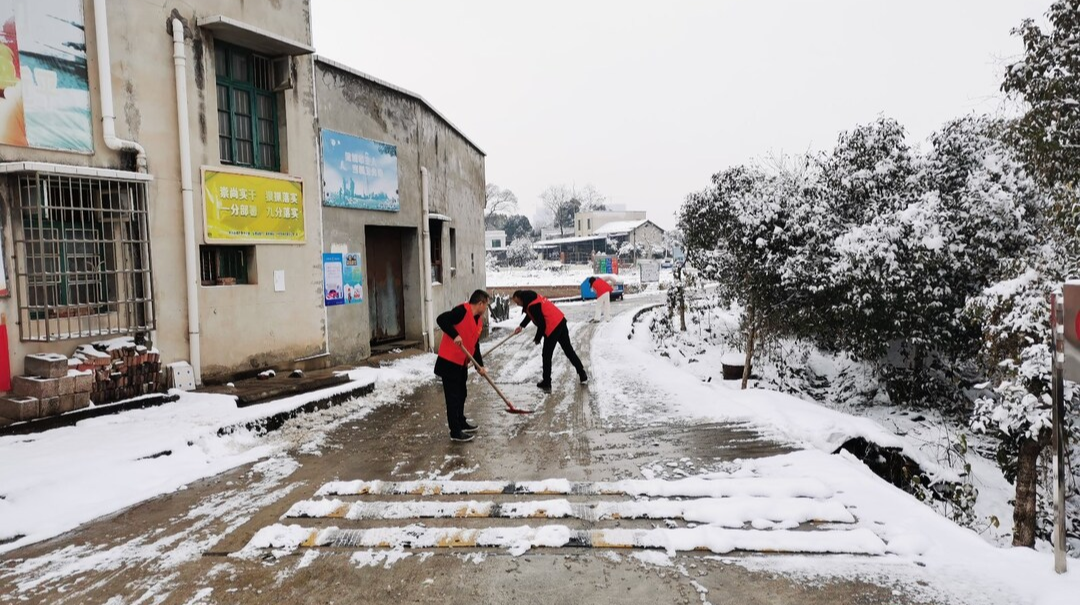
1057 326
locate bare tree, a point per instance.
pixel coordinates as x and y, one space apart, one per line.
499 201
591 199
560 201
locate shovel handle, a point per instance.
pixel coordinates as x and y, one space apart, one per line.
509 405
497 345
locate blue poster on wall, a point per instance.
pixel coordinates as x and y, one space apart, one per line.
353 279
359 173
333 282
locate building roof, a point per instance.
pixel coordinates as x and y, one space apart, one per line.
398 89
619 227
553 243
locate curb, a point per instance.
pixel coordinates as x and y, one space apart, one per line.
275 421
71 418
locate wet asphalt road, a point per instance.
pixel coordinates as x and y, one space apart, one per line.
180 548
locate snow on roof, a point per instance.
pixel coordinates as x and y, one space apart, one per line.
551 243
620 227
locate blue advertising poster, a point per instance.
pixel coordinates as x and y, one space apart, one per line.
359 173
333 283
353 279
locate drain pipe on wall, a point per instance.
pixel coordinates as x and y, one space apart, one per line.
108 117
190 260
429 311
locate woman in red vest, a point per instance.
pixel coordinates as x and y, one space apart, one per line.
551 326
460 326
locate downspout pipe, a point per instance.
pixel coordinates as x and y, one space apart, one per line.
429 311
190 258
108 116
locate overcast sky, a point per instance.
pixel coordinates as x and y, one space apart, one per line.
646 100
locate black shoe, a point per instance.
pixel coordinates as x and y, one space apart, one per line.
544 385
459 436
469 427
584 377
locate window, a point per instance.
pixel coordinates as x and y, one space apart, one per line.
247 108
82 257
496 243
227 265
435 226
453 252
588 222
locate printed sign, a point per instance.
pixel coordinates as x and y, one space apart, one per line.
1072 331
353 279
3 272
359 173
244 207
44 90
650 271
333 283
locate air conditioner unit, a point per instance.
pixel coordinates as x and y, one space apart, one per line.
283 73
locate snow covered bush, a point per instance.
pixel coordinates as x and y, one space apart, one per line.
520 252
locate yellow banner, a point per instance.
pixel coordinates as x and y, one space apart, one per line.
240 207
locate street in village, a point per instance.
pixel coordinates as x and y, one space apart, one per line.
564 505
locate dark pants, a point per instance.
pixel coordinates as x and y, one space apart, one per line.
561 335
455 390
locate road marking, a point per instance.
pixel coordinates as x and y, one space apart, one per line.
858 541
725 512
761 487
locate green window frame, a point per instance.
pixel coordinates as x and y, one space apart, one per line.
247 109
68 269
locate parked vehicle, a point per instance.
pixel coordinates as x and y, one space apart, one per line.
667 263
615 281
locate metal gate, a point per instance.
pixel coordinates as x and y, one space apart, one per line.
387 305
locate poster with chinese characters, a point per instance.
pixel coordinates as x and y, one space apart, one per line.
353 279
241 207
359 173
333 285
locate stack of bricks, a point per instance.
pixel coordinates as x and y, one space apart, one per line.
120 371
48 388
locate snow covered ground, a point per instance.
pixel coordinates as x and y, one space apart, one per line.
54 481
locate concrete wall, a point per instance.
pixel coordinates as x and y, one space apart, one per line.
242 327
648 235
356 105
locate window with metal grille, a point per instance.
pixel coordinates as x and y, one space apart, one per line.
82 257
247 108
226 265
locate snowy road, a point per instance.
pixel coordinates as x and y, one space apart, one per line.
644 486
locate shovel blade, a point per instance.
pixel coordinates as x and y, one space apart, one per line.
517 411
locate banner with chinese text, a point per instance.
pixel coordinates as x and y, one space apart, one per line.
241 207
359 173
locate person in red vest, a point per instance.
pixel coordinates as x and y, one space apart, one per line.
462 326
603 292
551 326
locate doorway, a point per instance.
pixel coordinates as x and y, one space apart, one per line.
387 290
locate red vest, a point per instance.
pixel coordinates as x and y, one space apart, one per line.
601 287
552 315
469 329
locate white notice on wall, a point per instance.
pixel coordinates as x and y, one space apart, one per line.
279 280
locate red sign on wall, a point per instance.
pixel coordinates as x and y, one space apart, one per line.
1072 331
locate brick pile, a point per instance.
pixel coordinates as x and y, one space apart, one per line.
121 369
48 388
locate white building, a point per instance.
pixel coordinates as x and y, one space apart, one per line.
587 223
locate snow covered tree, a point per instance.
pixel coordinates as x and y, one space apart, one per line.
520 252
1046 78
517 226
1017 347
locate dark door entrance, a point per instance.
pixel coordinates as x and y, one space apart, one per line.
387 305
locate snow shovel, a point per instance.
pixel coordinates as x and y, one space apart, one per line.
498 344
509 406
